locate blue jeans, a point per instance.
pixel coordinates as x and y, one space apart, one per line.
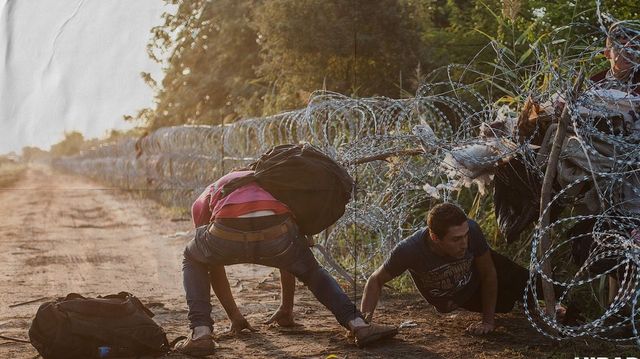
288 252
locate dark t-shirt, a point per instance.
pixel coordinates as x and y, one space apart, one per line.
443 282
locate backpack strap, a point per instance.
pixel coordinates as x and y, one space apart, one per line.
236 183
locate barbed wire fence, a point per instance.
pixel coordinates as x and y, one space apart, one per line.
448 136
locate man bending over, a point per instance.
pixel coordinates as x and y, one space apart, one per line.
250 226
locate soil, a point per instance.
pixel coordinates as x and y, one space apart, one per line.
61 233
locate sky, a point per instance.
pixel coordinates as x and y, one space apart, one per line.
72 65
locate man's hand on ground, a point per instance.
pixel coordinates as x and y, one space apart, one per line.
481 328
240 324
283 318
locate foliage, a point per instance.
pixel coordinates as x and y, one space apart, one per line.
74 143
30 154
209 72
358 48
228 59
70 145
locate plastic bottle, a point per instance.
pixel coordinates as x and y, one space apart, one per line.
104 352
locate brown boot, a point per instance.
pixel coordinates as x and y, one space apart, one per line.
200 347
372 332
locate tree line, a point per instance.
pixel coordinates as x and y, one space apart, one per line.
224 60
230 59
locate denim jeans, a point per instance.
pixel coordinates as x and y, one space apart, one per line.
288 252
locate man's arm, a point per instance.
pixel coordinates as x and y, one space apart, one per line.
284 315
372 291
220 284
489 291
288 288
397 262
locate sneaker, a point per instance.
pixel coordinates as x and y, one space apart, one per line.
373 332
200 347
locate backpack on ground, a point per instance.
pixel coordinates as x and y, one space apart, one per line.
79 327
314 187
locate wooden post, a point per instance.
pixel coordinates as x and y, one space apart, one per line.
547 185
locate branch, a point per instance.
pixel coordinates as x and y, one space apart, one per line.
547 185
15 340
384 156
28 302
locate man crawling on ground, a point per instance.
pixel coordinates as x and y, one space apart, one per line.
453 267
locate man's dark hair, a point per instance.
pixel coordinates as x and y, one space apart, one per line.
443 216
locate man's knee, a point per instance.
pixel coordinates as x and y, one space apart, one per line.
186 258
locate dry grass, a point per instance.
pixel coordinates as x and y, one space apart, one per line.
10 172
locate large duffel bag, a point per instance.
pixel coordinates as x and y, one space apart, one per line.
117 325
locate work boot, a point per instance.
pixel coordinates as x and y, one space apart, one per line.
372 332
200 347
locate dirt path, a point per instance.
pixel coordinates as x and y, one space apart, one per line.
61 234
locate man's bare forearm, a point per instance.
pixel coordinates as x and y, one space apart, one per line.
370 297
489 297
220 284
288 288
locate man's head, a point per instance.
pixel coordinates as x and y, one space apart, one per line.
623 50
448 230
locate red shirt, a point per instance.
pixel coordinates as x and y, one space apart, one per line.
246 199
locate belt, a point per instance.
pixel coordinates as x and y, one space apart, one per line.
252 236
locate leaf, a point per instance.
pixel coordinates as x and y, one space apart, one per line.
525 55
499 18
520 40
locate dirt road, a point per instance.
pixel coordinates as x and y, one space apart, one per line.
61 234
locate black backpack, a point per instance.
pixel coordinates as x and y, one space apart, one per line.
75 327
314 187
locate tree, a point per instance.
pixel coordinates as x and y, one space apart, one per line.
30 153
209 73
70 145
228 59
358 47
